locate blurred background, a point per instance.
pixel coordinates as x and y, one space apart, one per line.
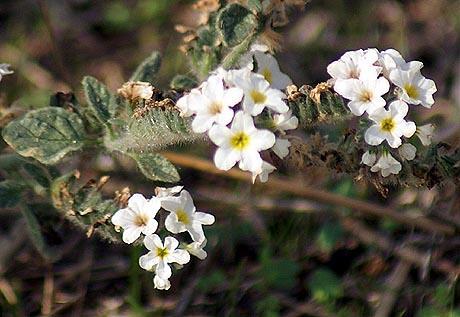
269 254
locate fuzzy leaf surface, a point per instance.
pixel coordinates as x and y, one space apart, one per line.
46 134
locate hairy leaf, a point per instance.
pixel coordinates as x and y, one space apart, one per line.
235 24
156 129
99 98
183 82
46 134
148 69
156 167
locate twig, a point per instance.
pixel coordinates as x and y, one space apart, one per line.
395 283
44 9
48 291
315 194
409 254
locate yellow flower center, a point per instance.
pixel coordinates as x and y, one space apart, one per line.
162 252
215 108
411 91
387 124
240 140
268 75
141 220
258 97
366 96
183 217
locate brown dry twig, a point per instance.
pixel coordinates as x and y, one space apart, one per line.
318 195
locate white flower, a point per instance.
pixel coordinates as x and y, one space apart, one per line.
160 255
246 60
197 249
183 104
281 147
184 217
162 192
5 70
425 133
387 165
390 59
214 104
365 94
268 67
258 94
352 64
285 121
242 142
138 217
407 151
415 89
390 125
160 283
368 158
267 168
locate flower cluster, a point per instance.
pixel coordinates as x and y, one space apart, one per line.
139 218
382 85
244 112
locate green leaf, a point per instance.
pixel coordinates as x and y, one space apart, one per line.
10 193
156 129
328 236
46 134
235 24
183 82
325 286
36 236
100 100
156 167
147 71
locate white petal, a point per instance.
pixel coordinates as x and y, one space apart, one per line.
252 161
409 129
160 283
152 242
373 135
179 256
151 227
204 218
262 139
196 232
148 261
173 225
225 159
220 135
131 233
407 151
137 202
202 122
171 243
232 96
281 148
163 270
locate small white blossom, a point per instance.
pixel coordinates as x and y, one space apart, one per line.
184 217
352 64
285 121
214 104
267 168
138 217
365 94
368 158
281 147
197 249
246 60
387 165
268 67
407 151
258 94
160 255
425 133
242 142
162 192
183 104
390 59
160 283
390 125
5 70
415 89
